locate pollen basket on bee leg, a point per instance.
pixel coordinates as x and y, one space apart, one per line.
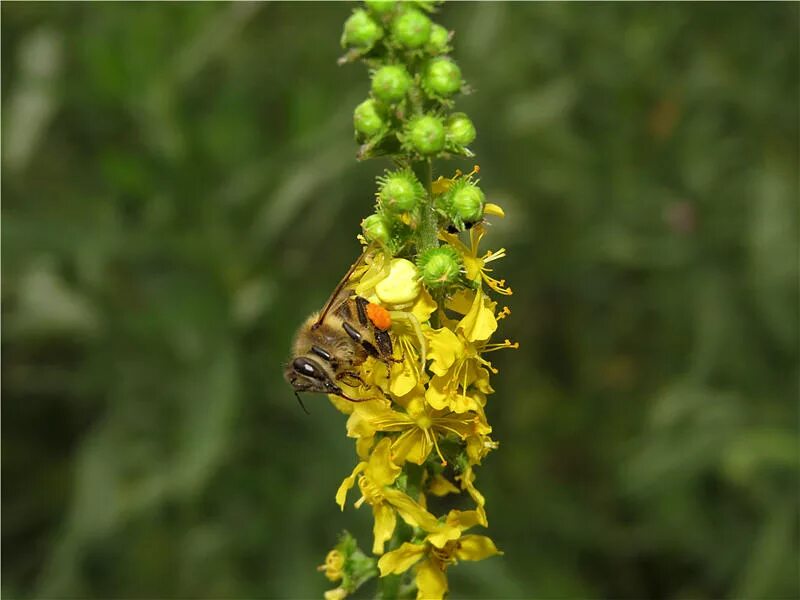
379 316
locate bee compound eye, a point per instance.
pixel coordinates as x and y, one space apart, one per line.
307 367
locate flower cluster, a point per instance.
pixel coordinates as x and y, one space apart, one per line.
418 419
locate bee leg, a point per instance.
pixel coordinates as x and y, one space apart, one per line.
351 374
361 308
385 347
357 337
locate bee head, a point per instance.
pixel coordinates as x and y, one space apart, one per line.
307 375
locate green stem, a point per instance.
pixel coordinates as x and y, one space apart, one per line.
427 234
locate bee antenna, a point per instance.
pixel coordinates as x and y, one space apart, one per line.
303 406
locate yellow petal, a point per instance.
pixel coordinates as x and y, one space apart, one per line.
381 470
476 547
439 486
467 479
359 425
365 418
424 307
402 284
441 185
481 381
400 560
443 347
412 446
383 529
349 482
445 533
411 511
461 301
493 209
461 402
404 375
478 447
340 404
464 519
363 447
473 266
437 394
479 323
431 581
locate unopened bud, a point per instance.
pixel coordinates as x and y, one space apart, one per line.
439 40
361 30
376 229
400 191
390 83
426 135
367 118
442 77
380 7
460 129
411 29
467 203
440 267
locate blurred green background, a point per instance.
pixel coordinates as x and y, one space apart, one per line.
180 190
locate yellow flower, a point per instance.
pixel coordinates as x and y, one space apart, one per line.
476 266
374 377
438 550
419 426
334 563
374 477
461 375
394 284
338 593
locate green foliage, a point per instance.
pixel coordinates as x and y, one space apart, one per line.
177 177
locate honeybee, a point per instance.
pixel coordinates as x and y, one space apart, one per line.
332 343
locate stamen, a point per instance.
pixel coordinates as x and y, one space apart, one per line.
500 346
490 256
503 313
432 438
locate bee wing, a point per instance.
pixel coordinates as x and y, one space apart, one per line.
339 294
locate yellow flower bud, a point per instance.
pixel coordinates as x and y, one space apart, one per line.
334 563
336 594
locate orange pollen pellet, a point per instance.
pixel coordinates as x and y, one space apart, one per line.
379 316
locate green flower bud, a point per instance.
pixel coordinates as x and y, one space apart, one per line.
380 7
440 267
442 77
411 29
376 229
361 30
391 83
439 41
367 118
400 191
425 135
460 129
467 202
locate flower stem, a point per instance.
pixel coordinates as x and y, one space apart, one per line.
427 233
